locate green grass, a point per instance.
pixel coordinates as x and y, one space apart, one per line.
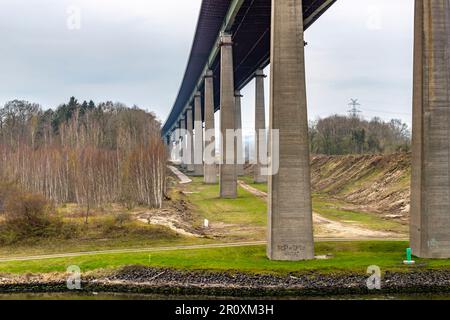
55 246
332 209
102 233
250 181
347 257
242 219
246 212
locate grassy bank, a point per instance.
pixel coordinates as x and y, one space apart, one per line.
340 211
104 231
231 220
336 210
345 257
243 218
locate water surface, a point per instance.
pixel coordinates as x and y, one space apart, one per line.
128 296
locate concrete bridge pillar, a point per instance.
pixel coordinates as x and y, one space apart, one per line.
430 190
239 140
173 147
188 158
176 141
173 140
228 174
183 142
210 172
290 214
260 124
198 138
168 142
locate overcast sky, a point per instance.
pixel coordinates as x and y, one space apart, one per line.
135 52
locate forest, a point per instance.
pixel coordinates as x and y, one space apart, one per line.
341 135
84 153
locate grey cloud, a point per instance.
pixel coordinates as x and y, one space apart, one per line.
135 51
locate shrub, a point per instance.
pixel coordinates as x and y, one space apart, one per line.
122 218
30 215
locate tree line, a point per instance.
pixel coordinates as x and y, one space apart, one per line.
83 153
340 135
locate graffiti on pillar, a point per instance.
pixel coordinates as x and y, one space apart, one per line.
432 244
291 250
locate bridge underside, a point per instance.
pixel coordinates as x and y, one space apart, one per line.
251 37
250 28
235 40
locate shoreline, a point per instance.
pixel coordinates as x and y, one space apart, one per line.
153 281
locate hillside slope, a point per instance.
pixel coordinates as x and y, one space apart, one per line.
371 183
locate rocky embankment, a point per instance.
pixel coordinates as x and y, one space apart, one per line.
372 183
168 281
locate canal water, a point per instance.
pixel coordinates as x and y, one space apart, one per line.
121 296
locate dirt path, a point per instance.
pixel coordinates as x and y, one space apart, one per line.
169 219
327 227
184 179
324 227
120 251
254 191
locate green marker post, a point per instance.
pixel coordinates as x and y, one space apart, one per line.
409 260
408 254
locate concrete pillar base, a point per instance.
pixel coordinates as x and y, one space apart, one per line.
239 140
210 169
260 180
210 176
260 125
198 138
430 189
227 169
198 170
189 141
290 234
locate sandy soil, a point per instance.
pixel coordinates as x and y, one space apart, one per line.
328 228
324 227
178 218
369 183
170 219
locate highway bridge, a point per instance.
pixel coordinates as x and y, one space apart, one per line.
249 23
233 42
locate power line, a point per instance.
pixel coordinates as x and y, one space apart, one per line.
388 112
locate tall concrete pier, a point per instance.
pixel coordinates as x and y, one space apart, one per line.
175 140
290 214
238 121
210 171
188 158
430 191
183 145
198 138
260 124
228 174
